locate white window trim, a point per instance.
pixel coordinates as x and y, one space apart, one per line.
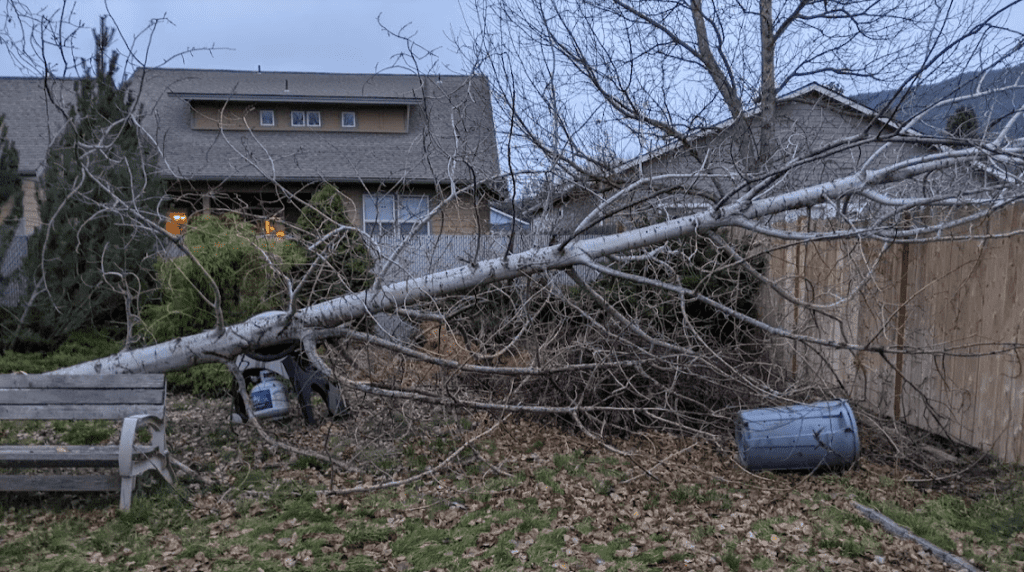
351 114
301 116
395 221
272 117
309 119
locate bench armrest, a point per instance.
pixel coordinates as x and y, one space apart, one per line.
156 451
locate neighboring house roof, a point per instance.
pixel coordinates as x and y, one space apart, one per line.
32 119
811 91
573 191
450 136
994 95
500 218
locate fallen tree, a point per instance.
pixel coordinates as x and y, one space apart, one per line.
215 346
707 164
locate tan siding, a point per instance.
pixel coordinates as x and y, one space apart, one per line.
237 116
32 197
462 217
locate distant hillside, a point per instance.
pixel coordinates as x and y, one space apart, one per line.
991 110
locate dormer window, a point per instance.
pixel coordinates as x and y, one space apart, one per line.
267 117
305 119
348 119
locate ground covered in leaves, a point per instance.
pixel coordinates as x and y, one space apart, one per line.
527 496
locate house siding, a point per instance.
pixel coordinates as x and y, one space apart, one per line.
246 116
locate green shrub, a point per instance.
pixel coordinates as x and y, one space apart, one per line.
248 271
700 265
342 262
204 380
236 259
78 348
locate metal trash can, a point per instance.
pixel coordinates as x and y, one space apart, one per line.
798 437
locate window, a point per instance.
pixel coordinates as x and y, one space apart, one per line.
273 227
176 221
383 214
305 119
348 119
267 117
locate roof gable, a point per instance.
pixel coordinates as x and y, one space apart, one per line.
812 94
450 135
33 119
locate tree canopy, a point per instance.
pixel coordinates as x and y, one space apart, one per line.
90 266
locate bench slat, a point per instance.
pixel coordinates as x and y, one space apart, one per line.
54 396
70 483
110 381
85 397
81 412
58 455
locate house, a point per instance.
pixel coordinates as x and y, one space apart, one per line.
396 146
34 114
33 110
941 317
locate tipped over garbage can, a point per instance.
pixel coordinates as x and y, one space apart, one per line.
798 437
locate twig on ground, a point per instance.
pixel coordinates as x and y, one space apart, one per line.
896 530
655 466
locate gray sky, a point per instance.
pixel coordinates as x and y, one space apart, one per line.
292 35
281 35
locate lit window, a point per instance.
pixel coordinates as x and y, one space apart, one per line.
313 118
348 118
298 119
383 214
267 117
176 221
271 228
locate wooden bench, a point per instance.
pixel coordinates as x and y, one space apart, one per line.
138 399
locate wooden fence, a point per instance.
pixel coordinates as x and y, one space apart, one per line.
942 319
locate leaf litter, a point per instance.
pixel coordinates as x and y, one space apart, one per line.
530 497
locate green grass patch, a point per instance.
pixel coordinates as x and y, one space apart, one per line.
572 464
730 557
84 432
79 347
994 523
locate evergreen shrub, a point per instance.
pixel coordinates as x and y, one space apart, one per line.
247 270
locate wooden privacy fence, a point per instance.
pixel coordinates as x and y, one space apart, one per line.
945 315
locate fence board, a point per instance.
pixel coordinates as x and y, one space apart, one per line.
961 295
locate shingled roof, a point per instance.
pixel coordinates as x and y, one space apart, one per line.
450 136
32 119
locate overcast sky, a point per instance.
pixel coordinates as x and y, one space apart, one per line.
292 35
276 35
